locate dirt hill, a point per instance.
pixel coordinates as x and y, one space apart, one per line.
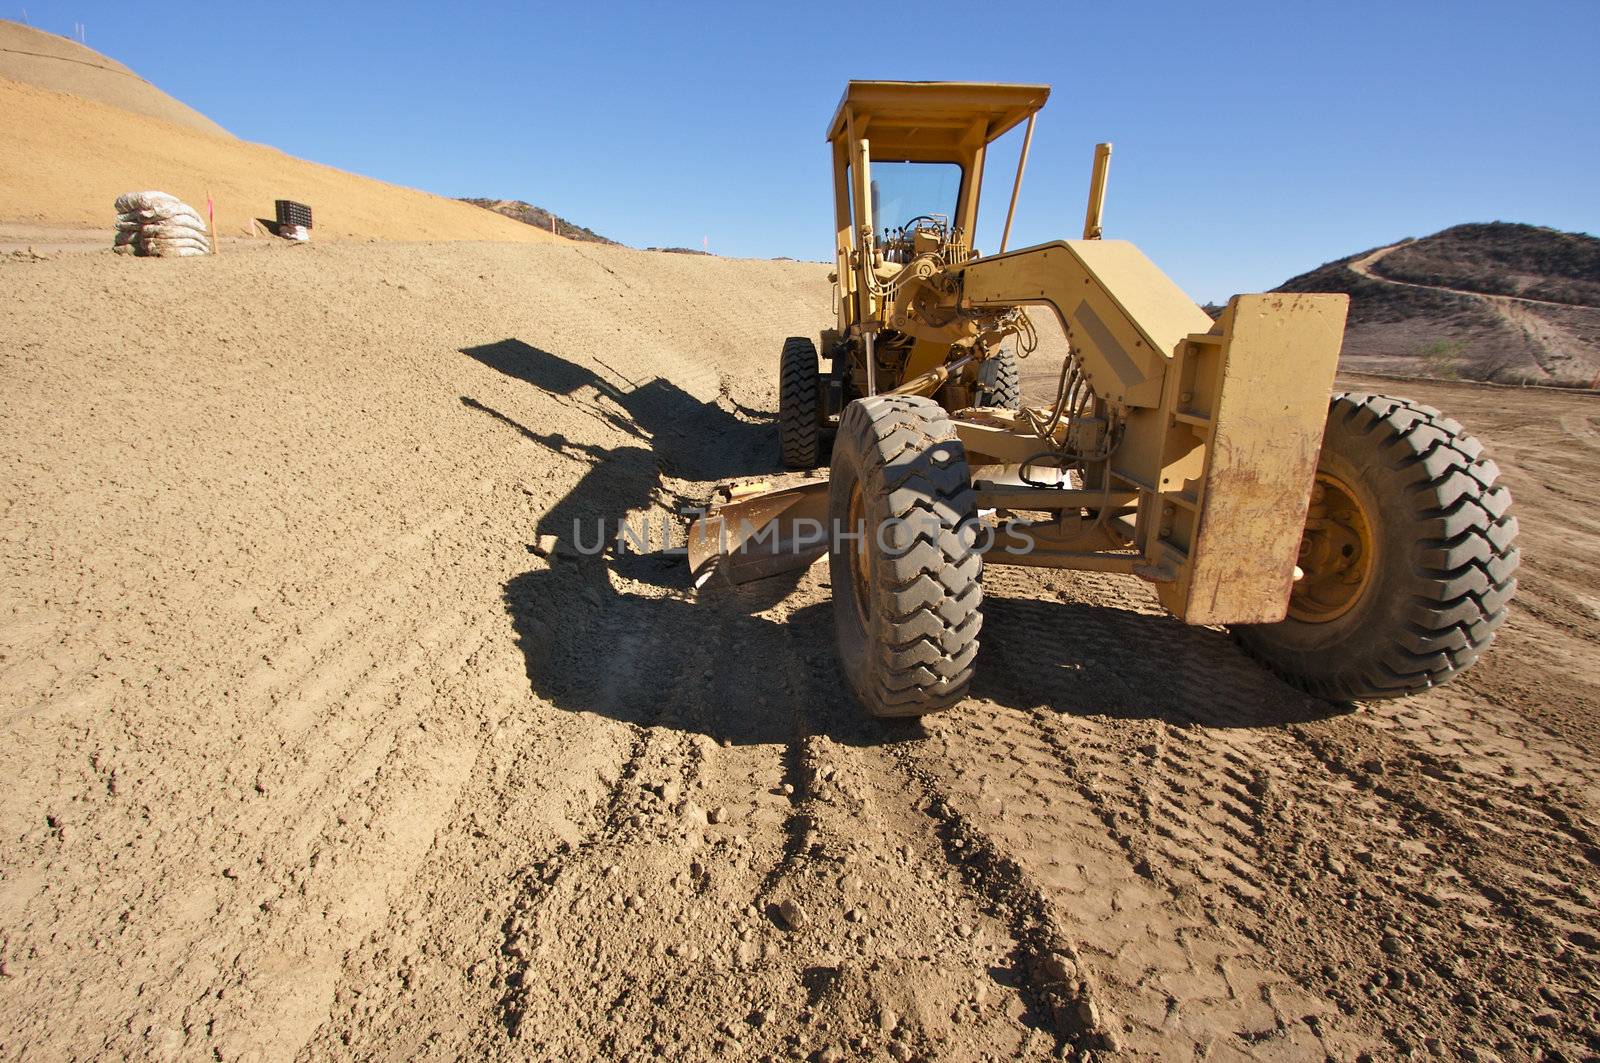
47 61
540 218
1498 301
79 130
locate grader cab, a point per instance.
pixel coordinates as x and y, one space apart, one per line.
1358 545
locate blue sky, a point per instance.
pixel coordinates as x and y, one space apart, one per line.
1253 140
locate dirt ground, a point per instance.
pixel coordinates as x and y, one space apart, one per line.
310 754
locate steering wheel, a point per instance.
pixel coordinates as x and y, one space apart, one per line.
911 223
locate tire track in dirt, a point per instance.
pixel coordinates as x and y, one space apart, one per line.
1137 839
662 926
1235 799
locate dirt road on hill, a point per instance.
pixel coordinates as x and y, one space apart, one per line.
310 754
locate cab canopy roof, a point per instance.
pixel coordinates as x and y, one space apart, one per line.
932 121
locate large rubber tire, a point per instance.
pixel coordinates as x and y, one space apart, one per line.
1444 557
799 404
1000 381
907 625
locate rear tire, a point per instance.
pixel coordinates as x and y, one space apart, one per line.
1441 565
1000 381
799 403
908 596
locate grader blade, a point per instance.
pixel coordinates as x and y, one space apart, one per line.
761 535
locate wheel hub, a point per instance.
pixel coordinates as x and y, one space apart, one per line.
1336 553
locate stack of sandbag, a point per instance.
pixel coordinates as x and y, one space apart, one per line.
154 223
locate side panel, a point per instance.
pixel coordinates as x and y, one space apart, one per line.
1254 395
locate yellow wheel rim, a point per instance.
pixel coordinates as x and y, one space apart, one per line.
860 560
1336 553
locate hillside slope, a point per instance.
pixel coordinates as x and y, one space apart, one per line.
68 158
1498 301
47 61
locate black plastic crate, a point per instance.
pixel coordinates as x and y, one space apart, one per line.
292 213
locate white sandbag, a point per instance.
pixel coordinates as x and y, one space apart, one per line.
132 201
163 228
144 216
154 206
172 231
156 246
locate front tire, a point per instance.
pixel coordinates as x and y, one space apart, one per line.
799 404
1410 557
907 594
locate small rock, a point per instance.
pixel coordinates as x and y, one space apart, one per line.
546 546
635 902
229 872
792 913
788 789
1394 946
855 915
717 815
1056 967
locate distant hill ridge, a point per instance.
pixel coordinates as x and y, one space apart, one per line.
1493 301
541 218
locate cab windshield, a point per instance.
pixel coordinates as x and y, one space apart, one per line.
902 191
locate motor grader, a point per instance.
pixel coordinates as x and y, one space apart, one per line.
1358 545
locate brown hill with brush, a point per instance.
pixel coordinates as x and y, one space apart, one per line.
540 218
1497 301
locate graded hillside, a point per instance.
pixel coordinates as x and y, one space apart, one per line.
540 218
48 61
314 749
1498 301
68 158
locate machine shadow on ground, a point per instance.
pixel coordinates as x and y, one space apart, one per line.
686 438
625 635
1102 660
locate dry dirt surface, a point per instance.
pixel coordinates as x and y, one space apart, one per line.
310 753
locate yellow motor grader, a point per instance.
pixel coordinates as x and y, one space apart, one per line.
1359 546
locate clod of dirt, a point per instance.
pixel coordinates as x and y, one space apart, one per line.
792 913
